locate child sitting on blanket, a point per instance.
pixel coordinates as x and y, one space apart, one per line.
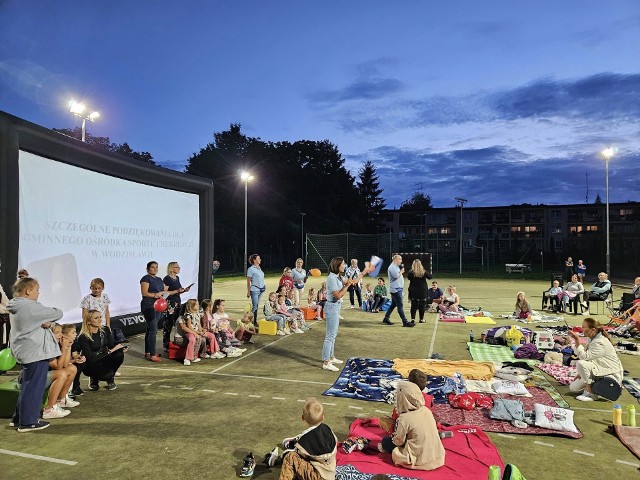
415 444
522 308
420 379
312 453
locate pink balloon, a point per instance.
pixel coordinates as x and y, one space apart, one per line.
160 305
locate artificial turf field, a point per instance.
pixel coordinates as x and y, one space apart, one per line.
170 421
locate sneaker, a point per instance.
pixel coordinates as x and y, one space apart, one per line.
298 330
54 412
197 359
77 392
272 457
280 332
248 465
335 360
386 321
423 321
206 355
234 353
111 385
94 386
350 444
34 426
287 331
340 317
118 374
587 397
186 362
330 366
584 304
241 350
408 324
66 402
218 355
289 442
352 307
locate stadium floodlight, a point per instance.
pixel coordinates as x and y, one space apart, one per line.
246 177
606 154
78 109
461 202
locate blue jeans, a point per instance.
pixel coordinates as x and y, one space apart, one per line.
396 301
255 303
34 380
332 313
151 317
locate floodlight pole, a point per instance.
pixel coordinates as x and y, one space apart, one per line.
246 177
461 202
606 154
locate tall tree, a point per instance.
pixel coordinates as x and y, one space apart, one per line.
371 198
418 201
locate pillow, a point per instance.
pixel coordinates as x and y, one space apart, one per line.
509 387
554 418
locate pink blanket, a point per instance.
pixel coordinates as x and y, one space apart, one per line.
469 454
565 375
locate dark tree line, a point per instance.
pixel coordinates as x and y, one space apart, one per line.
290 179
105 144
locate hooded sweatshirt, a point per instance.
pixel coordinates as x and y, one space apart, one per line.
318 445
29 341
416 438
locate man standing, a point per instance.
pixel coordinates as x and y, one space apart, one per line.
396 284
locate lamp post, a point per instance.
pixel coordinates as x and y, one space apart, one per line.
606 154
78 109
302 234
461 202
246 177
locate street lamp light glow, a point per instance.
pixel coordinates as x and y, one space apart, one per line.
78 109
607 153
246 176
92 116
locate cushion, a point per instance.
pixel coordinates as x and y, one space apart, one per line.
554 418
509 387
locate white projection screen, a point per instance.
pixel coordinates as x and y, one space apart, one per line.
76 224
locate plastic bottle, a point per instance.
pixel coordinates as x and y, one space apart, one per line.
471 336
617 414
631 415
494 472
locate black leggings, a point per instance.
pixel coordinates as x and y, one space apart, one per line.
105 368
418 305
169 322
355 288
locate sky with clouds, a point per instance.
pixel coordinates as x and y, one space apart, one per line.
499 102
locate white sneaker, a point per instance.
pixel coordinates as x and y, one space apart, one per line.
206 355
298 330
587 397
197 359
218 355
280 332
272 457
352 307
66 402
335 360
287 331
340 317
54 412
234 353
584 304
118 374
330 366
187 362
241 350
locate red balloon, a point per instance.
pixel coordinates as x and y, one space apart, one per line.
160 305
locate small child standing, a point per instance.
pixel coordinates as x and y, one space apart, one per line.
367 301
245 328
270 310
312 453
33 345
522 308
97 300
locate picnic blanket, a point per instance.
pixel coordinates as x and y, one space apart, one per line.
536 317
483 352
448 415
365 379
633 386
629 436
467 368
563 374
469 454
479 320
454 317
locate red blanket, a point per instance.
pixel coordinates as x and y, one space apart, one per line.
469 454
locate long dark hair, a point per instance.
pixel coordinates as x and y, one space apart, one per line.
216 304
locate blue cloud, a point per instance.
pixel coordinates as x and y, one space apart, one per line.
361 89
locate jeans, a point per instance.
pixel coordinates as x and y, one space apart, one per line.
34 380
396 301
255 302
332 313
151 317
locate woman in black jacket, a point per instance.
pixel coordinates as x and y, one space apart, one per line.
103 355
418 289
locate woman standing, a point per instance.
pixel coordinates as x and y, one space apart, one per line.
172 281
151 288
299 275
568 268
352 272
581 271
418 289
255 284
336 288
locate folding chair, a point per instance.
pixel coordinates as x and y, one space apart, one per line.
600 303
630 315
545 299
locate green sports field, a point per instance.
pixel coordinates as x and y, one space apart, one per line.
170 421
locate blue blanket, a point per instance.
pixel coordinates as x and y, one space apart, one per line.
365 379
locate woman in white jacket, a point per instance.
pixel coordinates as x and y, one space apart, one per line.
597 359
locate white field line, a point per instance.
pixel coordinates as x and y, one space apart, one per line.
165 386
382 411
181 371
330 404
355 408
433 338
637 465
592 409
537 442
278 398
255 396
37 457
506 436
209 391
247 355
580 452
230 393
